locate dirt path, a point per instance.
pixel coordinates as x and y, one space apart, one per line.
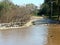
54 35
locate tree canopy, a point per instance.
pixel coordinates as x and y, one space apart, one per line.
10 12
46 7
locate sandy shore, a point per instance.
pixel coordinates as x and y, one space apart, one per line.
54 35
33 18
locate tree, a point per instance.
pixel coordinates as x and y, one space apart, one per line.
10 12
50 8
44 9
32 8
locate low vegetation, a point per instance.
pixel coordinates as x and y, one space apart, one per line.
9 12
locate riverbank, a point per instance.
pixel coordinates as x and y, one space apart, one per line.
54 35
33 18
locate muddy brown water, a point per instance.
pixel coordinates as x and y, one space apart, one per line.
33 35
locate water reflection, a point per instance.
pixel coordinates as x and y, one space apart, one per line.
33 35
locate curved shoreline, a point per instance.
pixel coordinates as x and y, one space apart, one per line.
26 25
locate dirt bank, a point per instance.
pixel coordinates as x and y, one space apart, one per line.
54 35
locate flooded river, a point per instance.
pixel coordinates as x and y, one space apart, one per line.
33 35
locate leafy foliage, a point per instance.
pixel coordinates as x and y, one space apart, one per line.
10 12
46 8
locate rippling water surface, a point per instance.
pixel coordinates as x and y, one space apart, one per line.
33 35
